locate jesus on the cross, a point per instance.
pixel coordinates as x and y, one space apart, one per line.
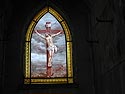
51 48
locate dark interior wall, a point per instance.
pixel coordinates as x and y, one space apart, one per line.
22 12
5 13
108 24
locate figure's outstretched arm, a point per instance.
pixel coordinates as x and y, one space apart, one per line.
39 34
57 33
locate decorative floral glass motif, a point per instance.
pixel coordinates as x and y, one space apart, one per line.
48 50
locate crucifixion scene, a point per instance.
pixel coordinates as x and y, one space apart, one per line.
48 49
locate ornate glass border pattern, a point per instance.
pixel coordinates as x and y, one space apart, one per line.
69 65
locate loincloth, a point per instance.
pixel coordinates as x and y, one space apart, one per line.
52 48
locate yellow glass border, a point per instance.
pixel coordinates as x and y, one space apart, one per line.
27 60
67 31
48 81
29 31
40 14
69 59
68 79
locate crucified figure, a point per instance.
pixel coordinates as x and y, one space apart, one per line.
50 47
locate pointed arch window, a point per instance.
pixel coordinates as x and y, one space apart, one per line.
48 50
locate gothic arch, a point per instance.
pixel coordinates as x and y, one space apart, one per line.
68 78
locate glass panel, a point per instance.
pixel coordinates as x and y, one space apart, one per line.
48 49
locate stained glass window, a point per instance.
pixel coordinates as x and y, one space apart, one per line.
48 50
